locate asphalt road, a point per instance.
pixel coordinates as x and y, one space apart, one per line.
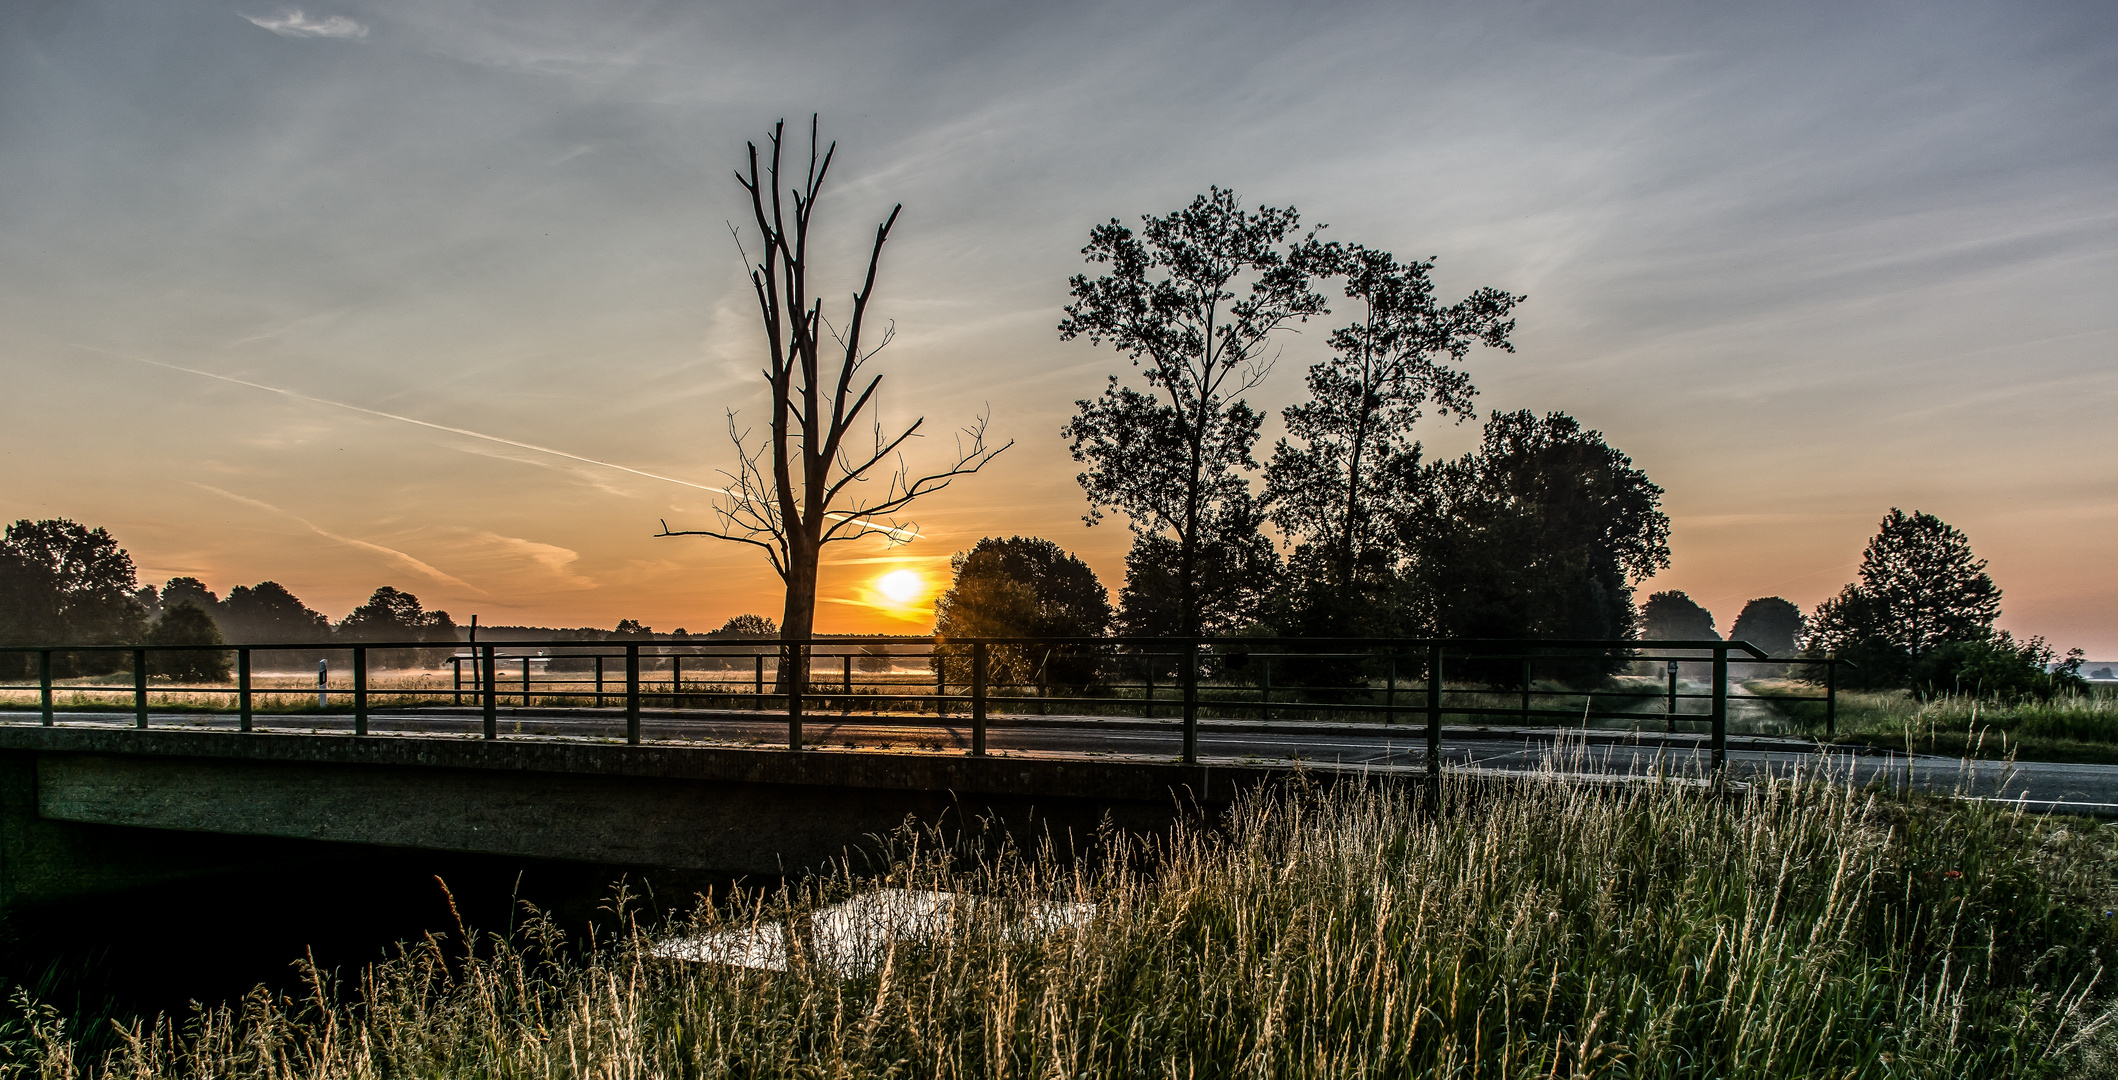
2089 789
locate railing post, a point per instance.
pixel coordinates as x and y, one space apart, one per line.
599 680
1669 707
978 672
360 690
632 693
846 663
490 696
242 688
1147 707
139 688
1525 690
525 680
1831 696
796 673
1720 735
941 681
757 700
1265 693
456 682
1390 692
676 682
44 685
1434 709
1191 702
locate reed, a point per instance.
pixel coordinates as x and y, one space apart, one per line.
1532 926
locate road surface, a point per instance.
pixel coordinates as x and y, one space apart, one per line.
2090 789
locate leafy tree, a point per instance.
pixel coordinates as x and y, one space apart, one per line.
748 626
186 623
73 582
631 628
1023 586
1234 572
267 612
29 606
1193 300
187 590
1919 587
1340 488
741 628
1541 532
1673 616
1854 626
804 485
393 615
1772 624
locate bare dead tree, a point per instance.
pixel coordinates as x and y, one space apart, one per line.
812 480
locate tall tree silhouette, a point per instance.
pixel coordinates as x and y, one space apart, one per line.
1192 299
1919 587
1350 473
801 486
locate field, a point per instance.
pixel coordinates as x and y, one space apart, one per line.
1532 927
2081 728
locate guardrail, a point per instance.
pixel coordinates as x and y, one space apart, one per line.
1379 680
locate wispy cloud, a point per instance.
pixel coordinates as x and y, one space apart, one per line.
555 560
291 22
907 531
394 555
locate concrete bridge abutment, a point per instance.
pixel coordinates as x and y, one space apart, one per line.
88 811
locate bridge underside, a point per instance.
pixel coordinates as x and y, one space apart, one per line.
92 811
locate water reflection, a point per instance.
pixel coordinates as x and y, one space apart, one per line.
850 938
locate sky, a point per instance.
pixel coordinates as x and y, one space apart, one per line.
1802 263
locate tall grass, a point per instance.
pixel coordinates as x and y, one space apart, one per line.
1522 927
2076 727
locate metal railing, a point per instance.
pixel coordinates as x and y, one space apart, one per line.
1362 682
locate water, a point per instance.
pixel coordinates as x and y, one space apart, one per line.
125 956
851 937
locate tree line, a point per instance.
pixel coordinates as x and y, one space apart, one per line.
63 583
1921 617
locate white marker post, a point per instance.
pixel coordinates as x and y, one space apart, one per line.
323 674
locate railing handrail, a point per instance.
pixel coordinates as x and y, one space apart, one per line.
1604 644
795 677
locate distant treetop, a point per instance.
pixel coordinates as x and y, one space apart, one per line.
1673 616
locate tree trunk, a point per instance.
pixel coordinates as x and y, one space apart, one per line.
1188 551
798 618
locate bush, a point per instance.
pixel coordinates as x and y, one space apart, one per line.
1998 666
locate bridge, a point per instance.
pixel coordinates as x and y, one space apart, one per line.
113 777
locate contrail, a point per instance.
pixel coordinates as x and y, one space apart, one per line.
415 563
406 419
891 530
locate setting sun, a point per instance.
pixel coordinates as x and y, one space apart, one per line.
901 586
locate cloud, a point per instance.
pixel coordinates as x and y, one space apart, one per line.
291 22
394 555
556 560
